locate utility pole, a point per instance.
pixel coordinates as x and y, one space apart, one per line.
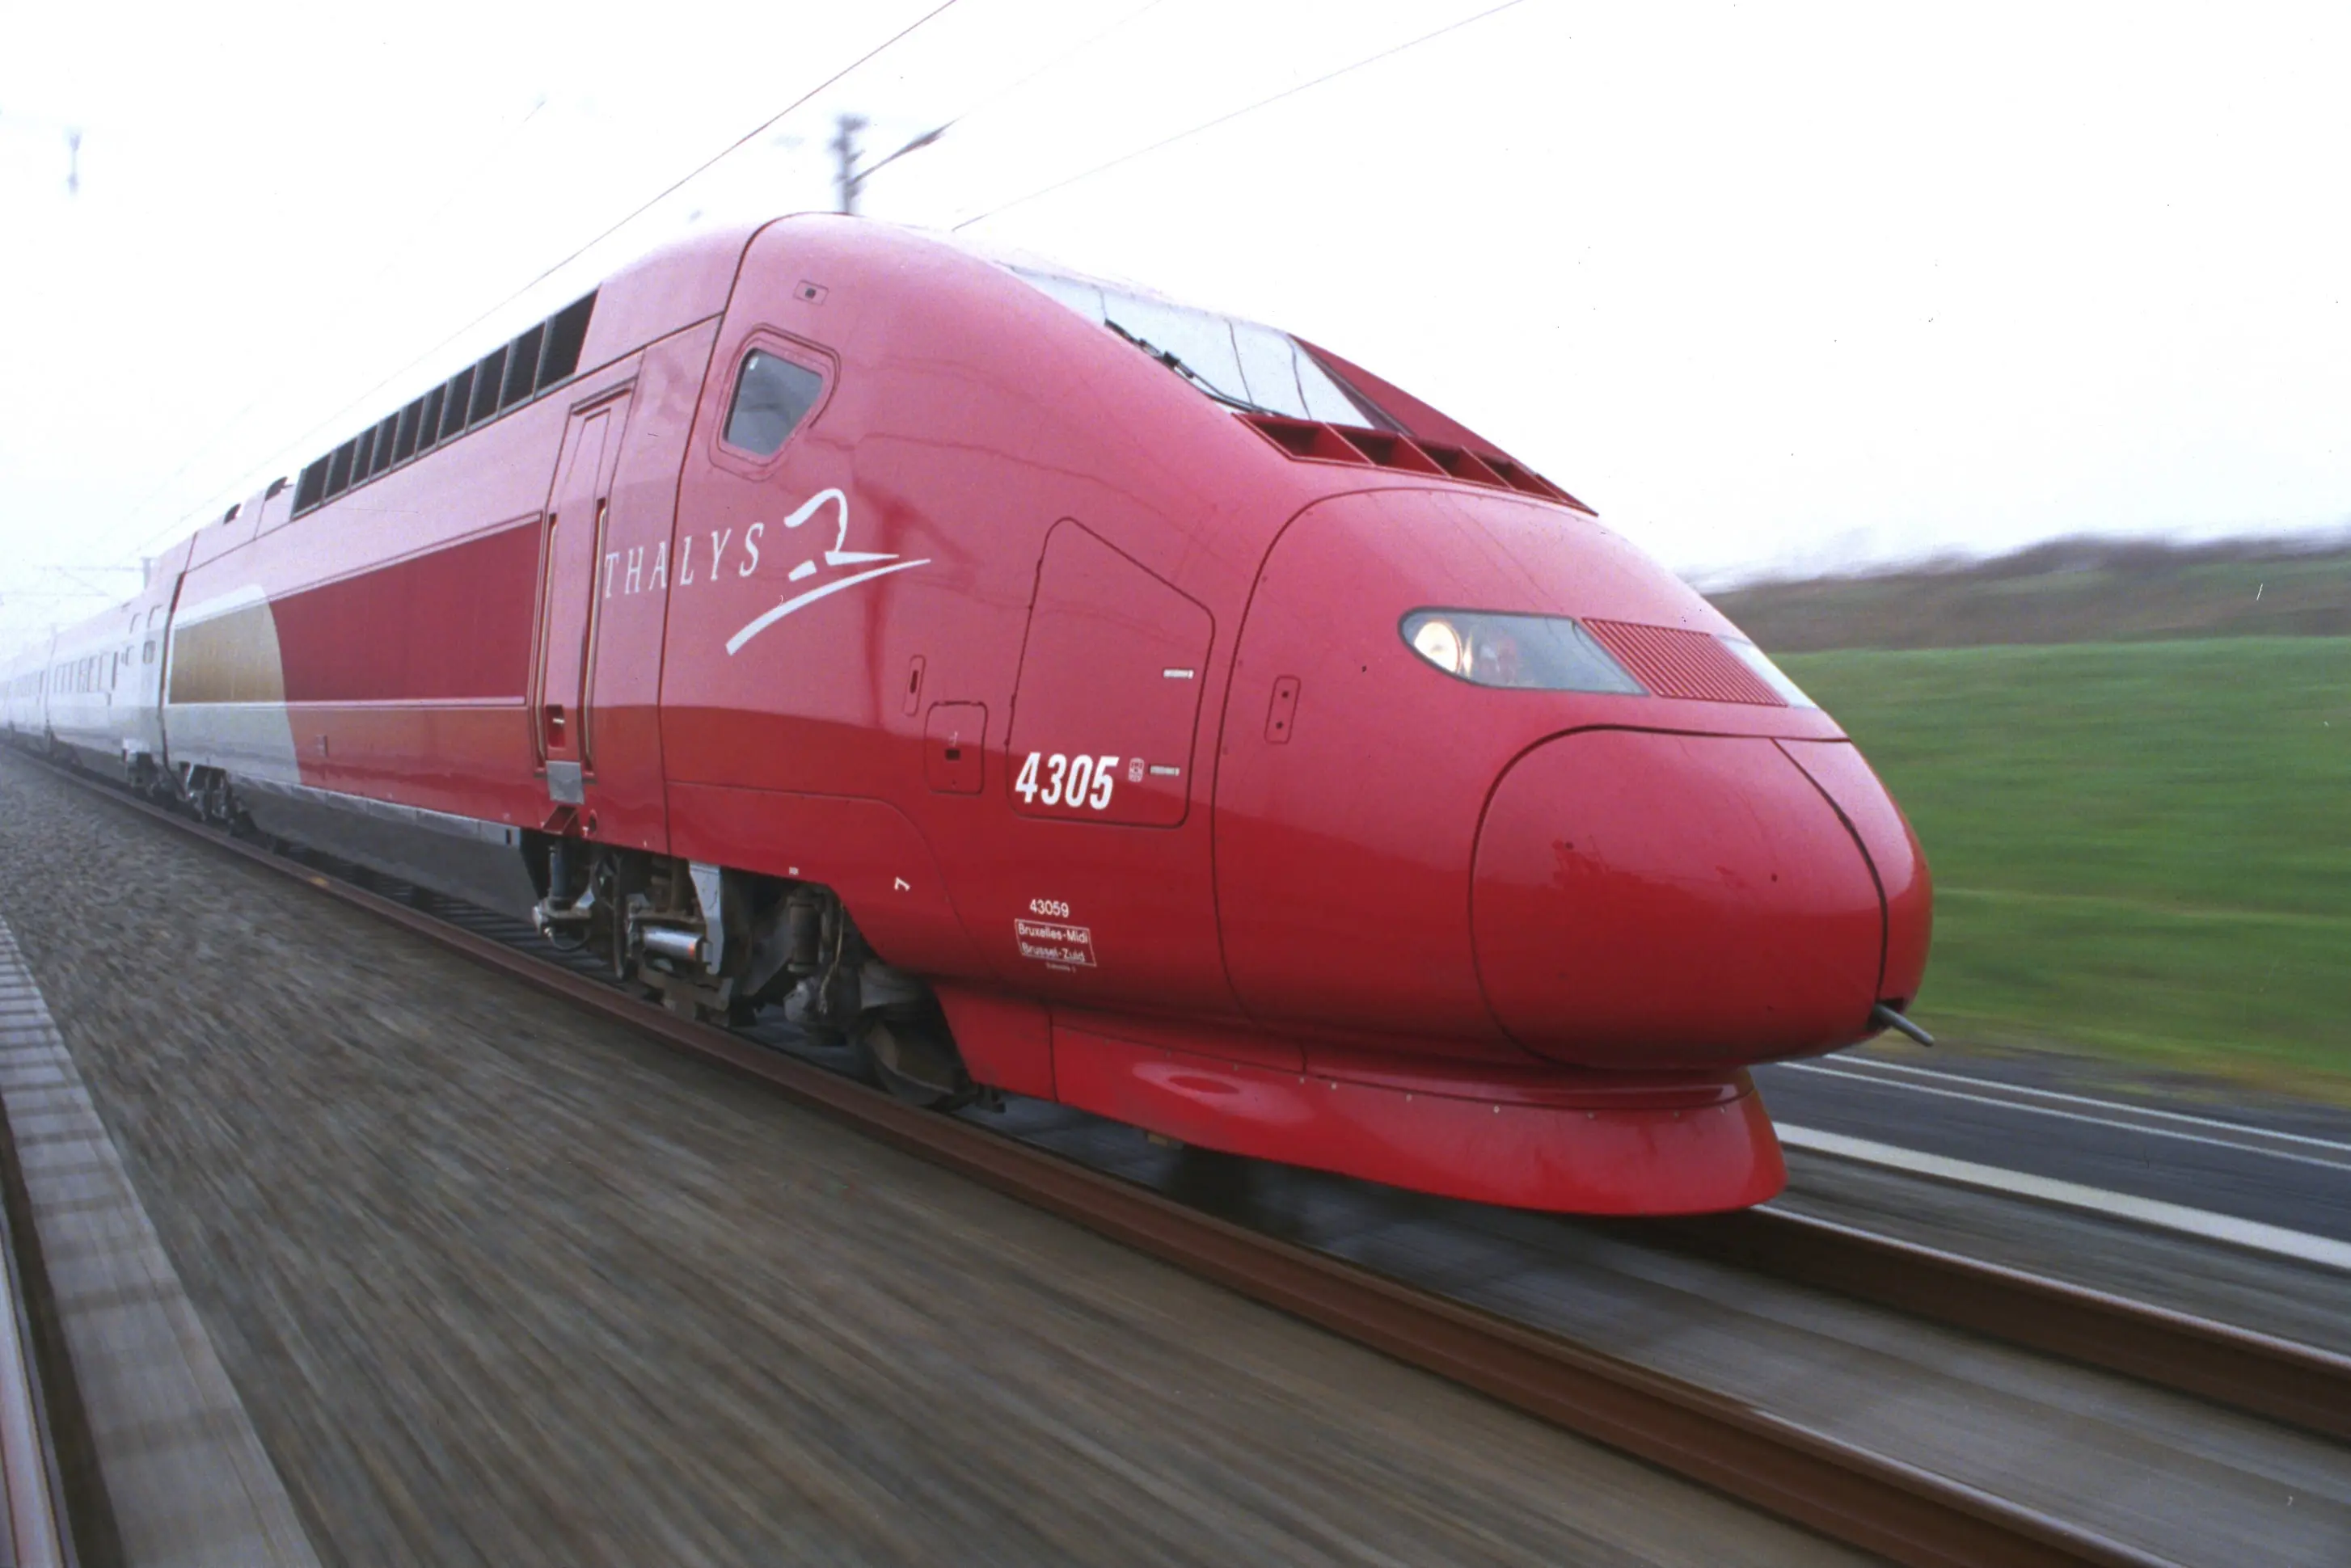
845 178
848 179
73 146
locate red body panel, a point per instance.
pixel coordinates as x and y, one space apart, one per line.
1608 1149
1089 701
1110 675
351 639
627 783
1344 849
1899 864
1743 924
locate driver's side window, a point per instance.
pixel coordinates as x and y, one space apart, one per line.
772 396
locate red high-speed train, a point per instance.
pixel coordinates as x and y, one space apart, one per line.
1063 691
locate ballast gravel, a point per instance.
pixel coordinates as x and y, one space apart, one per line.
503 1283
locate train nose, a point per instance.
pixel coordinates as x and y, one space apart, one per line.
1645 899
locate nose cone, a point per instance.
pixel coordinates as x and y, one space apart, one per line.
1650 899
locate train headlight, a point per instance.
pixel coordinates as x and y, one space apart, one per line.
1530 652
1436 641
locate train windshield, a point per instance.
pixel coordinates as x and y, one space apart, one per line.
1237 362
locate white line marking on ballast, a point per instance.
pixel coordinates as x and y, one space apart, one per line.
2246 1145
1862 1066
2251 1234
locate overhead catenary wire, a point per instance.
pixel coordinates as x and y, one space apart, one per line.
1231 115
1064 57
640 210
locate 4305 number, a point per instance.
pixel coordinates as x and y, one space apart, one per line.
1079 782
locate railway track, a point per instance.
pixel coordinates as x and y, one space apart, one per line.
2256 1373
32 1485
1869 1500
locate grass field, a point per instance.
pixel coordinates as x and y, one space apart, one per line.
2141 850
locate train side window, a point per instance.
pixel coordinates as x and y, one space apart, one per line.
522 367
453 411
488 376
772 396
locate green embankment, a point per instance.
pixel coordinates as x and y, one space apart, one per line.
2140 850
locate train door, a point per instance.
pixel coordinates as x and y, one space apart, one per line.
1108 703
1103 742
577 511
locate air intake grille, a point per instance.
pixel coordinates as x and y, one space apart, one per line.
1673 662
1320 442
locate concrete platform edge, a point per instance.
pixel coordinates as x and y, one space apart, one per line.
185 1476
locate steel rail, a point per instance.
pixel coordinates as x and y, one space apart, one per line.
37 1536
1852 1494
2278 1379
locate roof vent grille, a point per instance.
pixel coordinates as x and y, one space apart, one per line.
1318 442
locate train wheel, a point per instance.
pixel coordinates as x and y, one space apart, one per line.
916 1061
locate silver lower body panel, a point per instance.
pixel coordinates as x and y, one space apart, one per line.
463 856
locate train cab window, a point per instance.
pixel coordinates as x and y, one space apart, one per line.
1237 362
772 396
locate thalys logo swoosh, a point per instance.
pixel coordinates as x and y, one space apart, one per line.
836 556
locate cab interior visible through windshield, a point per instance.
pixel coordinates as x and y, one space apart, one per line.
1238 362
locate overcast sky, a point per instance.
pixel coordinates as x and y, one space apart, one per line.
1774 286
